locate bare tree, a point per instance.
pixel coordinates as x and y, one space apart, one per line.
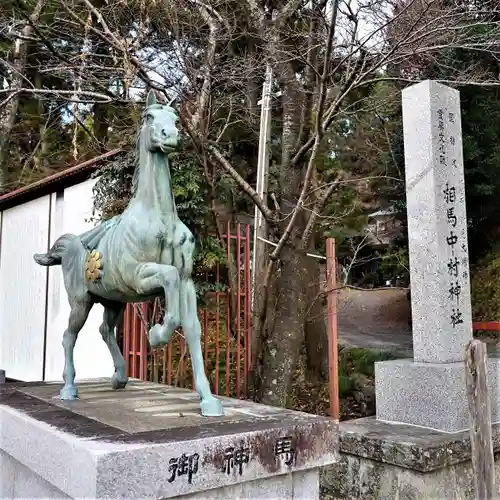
16 70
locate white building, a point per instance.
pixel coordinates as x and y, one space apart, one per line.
383 227
34 308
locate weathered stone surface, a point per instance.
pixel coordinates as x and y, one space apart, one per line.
18 482
141 434
406 446
387 461
358 478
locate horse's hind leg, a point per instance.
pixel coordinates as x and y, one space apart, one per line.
113 312
210 406
80 309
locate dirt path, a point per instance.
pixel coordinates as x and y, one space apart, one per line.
376 319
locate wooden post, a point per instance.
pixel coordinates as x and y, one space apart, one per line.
333 369
2 376
480 420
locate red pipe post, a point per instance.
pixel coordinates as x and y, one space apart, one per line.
333 370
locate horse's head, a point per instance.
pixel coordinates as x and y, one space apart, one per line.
159 126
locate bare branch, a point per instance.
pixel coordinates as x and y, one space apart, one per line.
96 96
15 93
256 11
318 208
10 106
319 131
249 190
209 15
111 39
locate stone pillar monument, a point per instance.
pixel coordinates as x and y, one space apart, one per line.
429 391
437 223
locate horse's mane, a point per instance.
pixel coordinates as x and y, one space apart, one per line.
135 177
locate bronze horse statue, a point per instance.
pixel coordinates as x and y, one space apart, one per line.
145 252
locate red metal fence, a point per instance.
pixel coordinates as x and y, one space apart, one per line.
225 321
486 326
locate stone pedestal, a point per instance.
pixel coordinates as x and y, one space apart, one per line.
429 395
149 441
390 461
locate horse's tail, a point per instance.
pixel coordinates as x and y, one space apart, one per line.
54 255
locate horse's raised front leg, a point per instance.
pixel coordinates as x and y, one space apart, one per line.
151 277
210 406
113 312
80 309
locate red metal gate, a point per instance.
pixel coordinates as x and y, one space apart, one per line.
225 321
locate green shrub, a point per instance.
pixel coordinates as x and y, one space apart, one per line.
346 385
354 360
485 287
361 360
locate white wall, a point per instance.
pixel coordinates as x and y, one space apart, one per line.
92 358
25 231
33 311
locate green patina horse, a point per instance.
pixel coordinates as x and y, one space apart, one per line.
145 252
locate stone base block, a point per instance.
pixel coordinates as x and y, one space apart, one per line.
150 442
386 461
19 482
429 395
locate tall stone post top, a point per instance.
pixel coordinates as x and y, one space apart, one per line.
429 85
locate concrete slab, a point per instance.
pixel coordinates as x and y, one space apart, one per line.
407 446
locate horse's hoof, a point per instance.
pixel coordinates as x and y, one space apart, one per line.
118 381
155 336
211 407
69 393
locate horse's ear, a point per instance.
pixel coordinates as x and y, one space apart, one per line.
151 98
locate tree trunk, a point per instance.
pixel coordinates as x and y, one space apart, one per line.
284 336
281 347
9 113
316 336
283 339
